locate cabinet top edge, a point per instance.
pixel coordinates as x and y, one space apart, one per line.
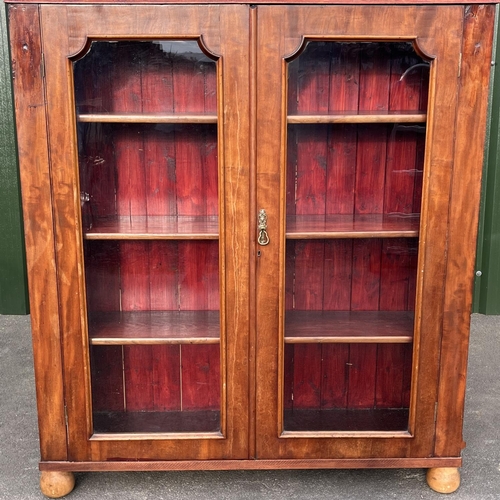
254 2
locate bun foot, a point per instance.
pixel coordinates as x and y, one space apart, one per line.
443 479
56 484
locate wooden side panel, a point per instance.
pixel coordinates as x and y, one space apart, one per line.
39 233
465 192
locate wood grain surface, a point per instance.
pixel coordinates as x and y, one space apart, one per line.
142 168
382 169
345 339
31 113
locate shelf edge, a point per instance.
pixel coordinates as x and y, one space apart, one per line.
357 118
144 118
351 234
399 339
153 341
153 236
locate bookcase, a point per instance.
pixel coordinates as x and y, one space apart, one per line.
250 232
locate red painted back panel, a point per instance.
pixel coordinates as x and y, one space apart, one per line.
157 170
353 169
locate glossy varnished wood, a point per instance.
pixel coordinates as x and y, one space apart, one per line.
349 327
360 118
137 22
155 327
39 227
352 226
154 228
289 26
145 118
228 370
334 463
465 192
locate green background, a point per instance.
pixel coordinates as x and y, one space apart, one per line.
13 288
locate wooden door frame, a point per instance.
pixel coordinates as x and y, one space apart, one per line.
438 325
64 390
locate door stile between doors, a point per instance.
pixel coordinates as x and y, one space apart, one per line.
213 25
254 249
291 27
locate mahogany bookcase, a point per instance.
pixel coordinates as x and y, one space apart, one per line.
250 231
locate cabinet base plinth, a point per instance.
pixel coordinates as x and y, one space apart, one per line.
262 464
56 484
444 479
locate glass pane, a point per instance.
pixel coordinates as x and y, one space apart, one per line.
355 156
147 146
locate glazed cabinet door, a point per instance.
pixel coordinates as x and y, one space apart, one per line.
356 119
148 136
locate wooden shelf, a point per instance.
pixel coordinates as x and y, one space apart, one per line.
347 420
154 228
146 118
360 117
352 226
347 327
154 327
157 421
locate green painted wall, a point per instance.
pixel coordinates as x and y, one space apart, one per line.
13 289
487 284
